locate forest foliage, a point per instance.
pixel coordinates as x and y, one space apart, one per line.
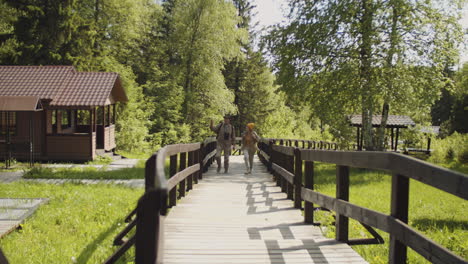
186 62
182 63
369 57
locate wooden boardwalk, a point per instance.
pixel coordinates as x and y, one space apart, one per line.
237 218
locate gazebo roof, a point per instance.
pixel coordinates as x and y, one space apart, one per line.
430 129
63 86
393 121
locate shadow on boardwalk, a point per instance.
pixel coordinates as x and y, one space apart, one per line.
237 218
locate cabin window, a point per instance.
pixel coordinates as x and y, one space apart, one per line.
8 120
83 117
66 119
111 114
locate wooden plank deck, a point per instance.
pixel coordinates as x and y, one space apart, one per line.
237 218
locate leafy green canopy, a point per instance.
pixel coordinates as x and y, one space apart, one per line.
343 57
93 35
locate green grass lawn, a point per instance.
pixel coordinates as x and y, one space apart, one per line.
78 224
86 173
439 215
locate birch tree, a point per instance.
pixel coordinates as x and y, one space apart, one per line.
373 55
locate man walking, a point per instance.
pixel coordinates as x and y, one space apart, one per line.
226 139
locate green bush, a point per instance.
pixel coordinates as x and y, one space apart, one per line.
450 154
463 155
453 148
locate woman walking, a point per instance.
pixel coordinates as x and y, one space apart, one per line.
249 146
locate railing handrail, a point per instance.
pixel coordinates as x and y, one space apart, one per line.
187 163
441 178
160 182
286 164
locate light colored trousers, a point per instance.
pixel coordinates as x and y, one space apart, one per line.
223 146
248 158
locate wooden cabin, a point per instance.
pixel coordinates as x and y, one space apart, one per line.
73 119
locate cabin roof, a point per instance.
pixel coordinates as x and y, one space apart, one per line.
20 103
395 121
63 86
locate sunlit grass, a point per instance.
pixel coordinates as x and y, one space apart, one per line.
438 215
86 173
78 224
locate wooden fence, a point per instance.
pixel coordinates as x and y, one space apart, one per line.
187 162
293 168
292 164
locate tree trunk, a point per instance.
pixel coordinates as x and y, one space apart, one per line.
381 131
188 73
390 75
367 97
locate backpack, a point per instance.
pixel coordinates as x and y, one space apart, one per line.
226 135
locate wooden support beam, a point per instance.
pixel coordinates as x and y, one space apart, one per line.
270 149
172 172
297 178
182 166
342 193
114 114
399 210
148 235
309 184
191 178
201 157
290 168
392 138
196 160
91 127
58 120
358 138
103 116
396 139
108 115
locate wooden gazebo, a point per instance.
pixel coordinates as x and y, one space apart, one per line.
394 122
78 114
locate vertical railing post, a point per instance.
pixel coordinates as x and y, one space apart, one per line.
196 159
276 159
148 231
399 210
270 152
190 178
342 192
201 157
282 161
290 168
150 172
211 146
172 172
309 184
297 178
182 166
3 258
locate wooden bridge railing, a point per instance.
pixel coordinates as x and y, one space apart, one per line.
187 162
293 168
